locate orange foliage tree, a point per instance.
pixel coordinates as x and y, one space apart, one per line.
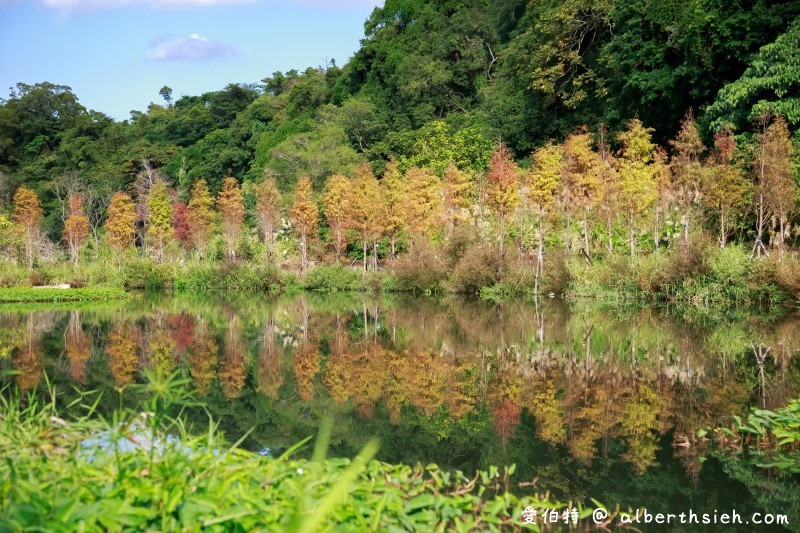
305 217
335 206
366 211
268 212
231 206
502 193
76 227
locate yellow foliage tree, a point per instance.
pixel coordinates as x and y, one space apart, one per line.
159 219
335 202
366 211
305 217
201 215
393 191
120 222
637 174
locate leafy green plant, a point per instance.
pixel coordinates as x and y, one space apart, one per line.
148 471
768 439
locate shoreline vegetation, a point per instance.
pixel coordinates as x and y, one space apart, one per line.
700 277
152 471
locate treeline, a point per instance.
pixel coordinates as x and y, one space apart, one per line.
580 195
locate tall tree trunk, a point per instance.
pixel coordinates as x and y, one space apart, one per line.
631 237
303 253
586 237
722 238
364 250
374 256
656 232
393 239
539 254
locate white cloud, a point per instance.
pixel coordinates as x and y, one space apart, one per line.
192 48
76 6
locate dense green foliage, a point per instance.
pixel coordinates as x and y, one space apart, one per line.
39 294
148 472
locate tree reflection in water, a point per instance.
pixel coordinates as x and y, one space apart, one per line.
571 393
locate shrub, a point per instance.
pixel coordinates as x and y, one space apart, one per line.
421 270
556 277
145 275
478 268
228 276
334 279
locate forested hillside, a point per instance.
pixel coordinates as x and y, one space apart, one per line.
617 98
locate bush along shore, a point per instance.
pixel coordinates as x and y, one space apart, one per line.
699 276
148 471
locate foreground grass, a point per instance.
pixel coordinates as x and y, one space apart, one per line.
36 295
148 473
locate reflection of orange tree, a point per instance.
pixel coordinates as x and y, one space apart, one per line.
233 372
203 359
270 373
78 347
122 353
339 367
306 367
505 400
28 359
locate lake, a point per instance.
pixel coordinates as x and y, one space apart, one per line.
587 401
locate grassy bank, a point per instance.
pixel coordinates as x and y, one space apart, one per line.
700 276
18 295
150 473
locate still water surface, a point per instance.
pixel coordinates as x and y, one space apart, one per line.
587 402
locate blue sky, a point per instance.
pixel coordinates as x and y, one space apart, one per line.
117 54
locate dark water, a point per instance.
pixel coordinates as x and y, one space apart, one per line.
588 403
